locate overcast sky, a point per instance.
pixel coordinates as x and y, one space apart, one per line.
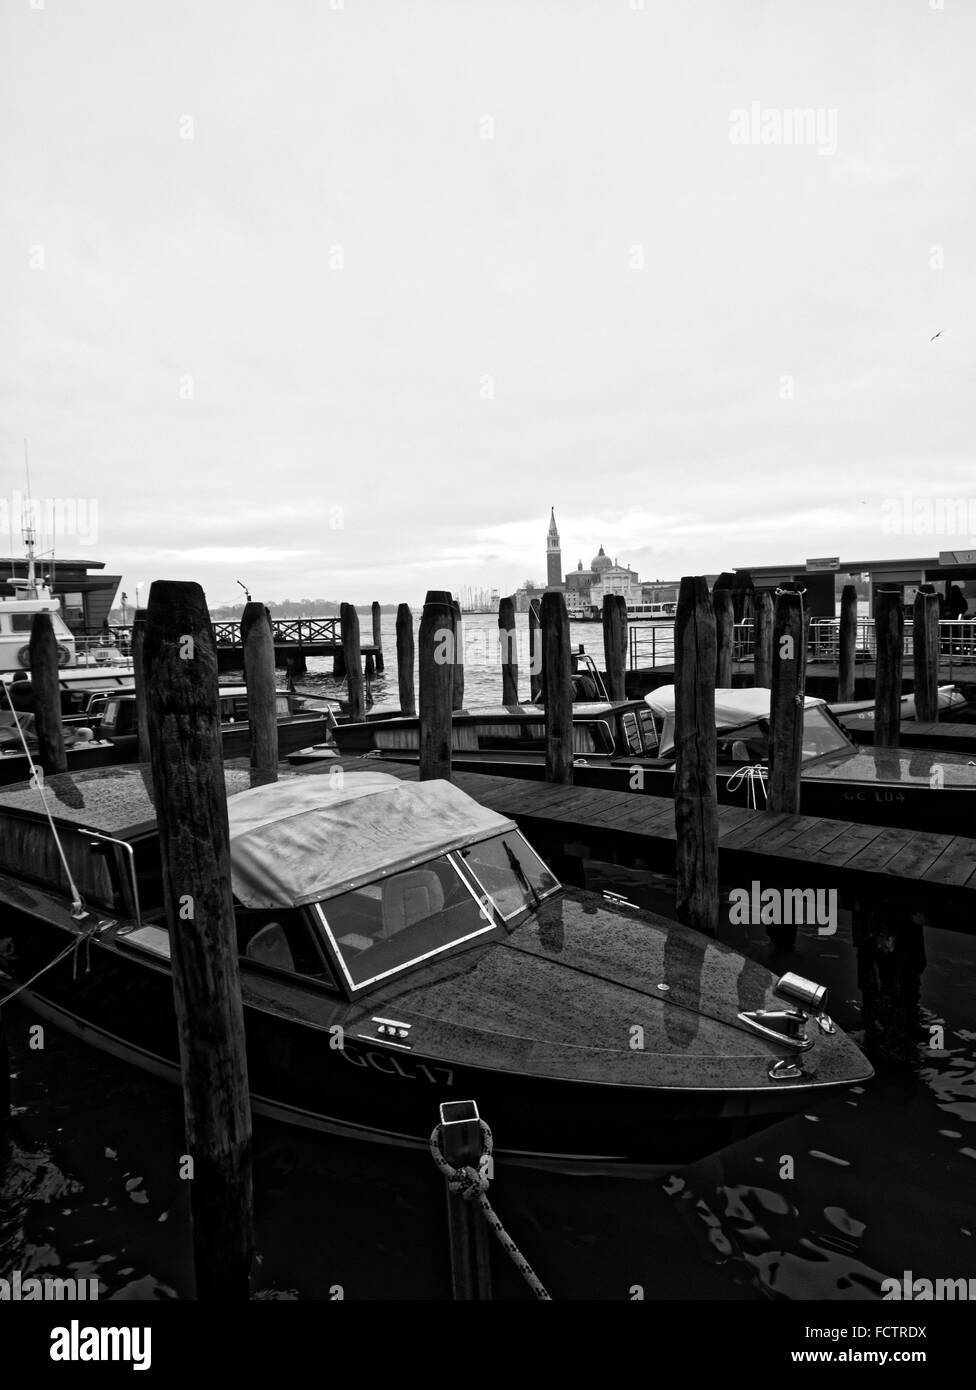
339 299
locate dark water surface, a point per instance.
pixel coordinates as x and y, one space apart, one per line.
885 1176
885 1180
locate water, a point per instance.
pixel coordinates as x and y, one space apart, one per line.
92 1185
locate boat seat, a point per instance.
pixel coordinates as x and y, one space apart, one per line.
269 946
410 897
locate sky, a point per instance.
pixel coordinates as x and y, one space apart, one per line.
339 297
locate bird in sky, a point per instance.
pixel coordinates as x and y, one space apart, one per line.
935 335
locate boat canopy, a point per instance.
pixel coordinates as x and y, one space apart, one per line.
732 707
308 838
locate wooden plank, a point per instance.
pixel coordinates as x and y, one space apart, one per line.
921 854
850 842
754 832
880 850
956 865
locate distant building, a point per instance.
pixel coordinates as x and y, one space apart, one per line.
86 597
584 588
554 556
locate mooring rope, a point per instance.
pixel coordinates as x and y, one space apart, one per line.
37 782
751 776
472 1185
83 938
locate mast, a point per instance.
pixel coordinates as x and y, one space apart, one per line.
28 529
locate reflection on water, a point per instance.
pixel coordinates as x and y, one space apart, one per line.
882 1181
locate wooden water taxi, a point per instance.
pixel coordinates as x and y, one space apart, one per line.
401 945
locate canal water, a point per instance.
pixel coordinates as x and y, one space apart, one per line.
825 1205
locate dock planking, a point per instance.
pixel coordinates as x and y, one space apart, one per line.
638 831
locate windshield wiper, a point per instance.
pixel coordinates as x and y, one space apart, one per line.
519 872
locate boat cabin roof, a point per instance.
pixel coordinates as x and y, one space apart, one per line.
304 839
731 706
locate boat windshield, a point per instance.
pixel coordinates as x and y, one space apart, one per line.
749 743
382 928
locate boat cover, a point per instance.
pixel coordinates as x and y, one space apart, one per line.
732 707
307 838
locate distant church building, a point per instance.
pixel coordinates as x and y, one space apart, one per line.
584 588
554 556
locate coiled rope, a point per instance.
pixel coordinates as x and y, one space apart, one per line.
37 782
472 1185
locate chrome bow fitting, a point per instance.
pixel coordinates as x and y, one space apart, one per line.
787 1026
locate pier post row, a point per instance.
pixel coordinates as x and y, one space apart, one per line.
889 626
786 702
47 695
437 641
535 651
763 642
925 654
139 681
508 643
615 644
557 688
257 641
724 626
405 659
352 658
376 613
194 838
695 795
847 643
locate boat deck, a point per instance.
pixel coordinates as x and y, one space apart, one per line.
936 871
948 737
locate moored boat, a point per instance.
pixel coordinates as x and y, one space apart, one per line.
401 945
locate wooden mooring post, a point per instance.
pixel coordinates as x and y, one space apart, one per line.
405 659
535 651
724 628
615 644
435 668
47 695
257 641
180 661
139 680
847 643
352 658
889 629
462 1144
557 688
786 702
457 689
695 792
376 613
925 653
762 656
508 643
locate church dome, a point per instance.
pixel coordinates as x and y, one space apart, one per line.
600 562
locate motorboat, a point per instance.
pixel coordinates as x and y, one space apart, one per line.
400 945
628 745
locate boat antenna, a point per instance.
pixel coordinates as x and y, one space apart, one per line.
27 526
247 594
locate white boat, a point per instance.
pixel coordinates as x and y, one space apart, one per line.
79 658
651 612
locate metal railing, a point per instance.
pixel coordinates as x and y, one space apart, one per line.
301 631
957 644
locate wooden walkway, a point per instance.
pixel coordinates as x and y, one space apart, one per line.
936 872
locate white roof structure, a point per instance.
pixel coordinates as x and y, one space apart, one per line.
732 707
307 838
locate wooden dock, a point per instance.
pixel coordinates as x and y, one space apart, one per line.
938 738
295 639
936 873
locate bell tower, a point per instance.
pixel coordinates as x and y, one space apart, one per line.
554 556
